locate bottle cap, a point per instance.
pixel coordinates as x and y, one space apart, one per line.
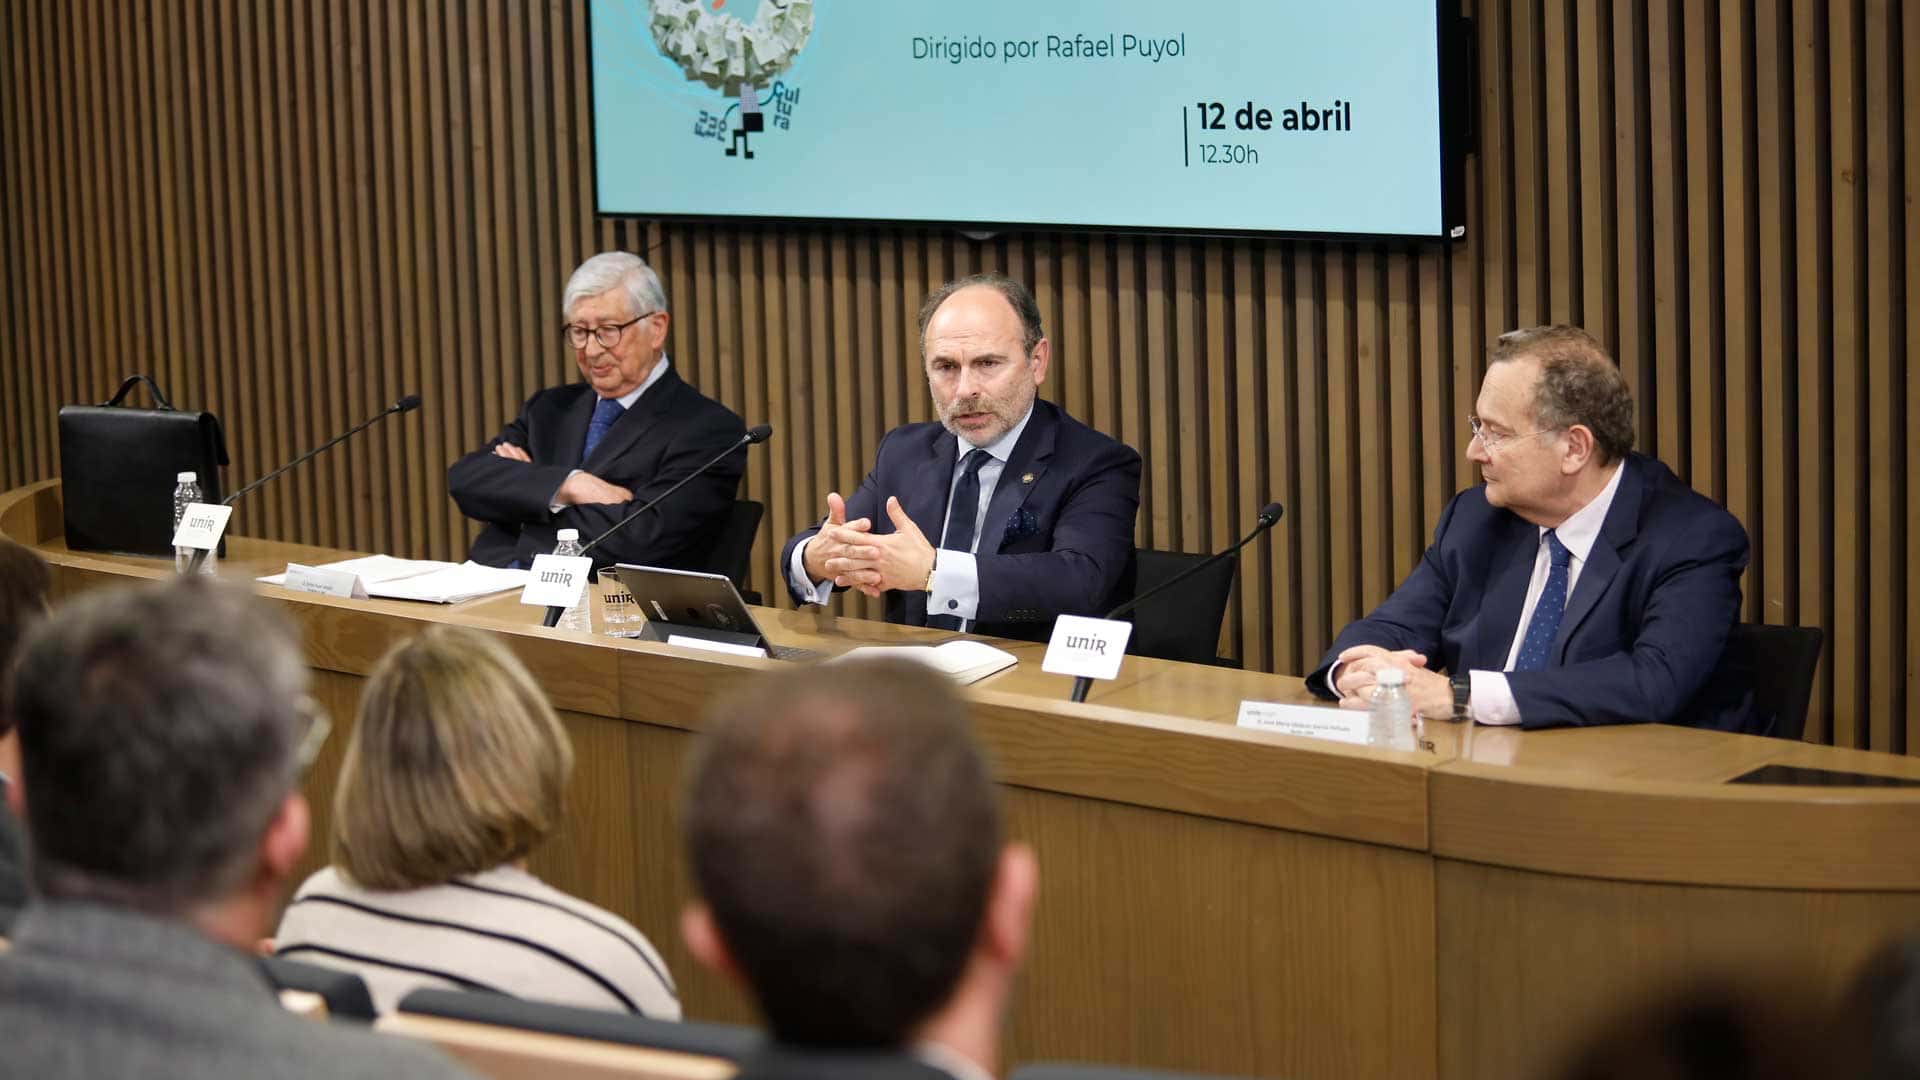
187 478
1392 676
565 535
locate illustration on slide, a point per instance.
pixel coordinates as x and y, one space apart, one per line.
738 58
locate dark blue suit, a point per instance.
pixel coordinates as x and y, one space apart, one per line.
1058 537
1643 630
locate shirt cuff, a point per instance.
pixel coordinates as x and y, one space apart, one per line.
552 506
1493 699
955 589
1333 679
807 591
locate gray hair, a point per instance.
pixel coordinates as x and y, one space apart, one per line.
608 270
1017 295
1579 384
159 733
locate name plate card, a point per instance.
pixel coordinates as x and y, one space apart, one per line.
1312 721
1089 647
201 526
325 582
688 641
556 580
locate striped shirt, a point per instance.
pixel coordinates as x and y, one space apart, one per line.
503 931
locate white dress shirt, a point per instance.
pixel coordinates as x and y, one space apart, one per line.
956 574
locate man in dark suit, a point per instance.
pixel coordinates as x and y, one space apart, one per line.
581 456
1582 583
847 855
163 729
1045 505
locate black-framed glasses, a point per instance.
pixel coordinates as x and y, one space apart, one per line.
315 725
1492 442
608 336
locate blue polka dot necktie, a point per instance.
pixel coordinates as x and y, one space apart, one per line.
1538 644
962 512
605 412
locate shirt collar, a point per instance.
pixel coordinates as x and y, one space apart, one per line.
1001 449
950 1061
1578 533
627 399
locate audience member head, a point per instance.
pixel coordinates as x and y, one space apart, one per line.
985 354
25 582
1553 413
457 765
1752 1028
846 847
616 321
162 730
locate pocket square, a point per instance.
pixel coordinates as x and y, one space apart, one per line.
1022 525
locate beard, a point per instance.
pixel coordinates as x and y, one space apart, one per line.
979 419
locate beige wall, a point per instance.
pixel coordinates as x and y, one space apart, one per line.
292 213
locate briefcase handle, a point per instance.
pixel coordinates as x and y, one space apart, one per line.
159 399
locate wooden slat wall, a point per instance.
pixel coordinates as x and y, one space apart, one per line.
292 213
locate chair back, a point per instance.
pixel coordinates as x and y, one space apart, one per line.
1182 623
729 1042
343 993
505 1053
732 553
1778 663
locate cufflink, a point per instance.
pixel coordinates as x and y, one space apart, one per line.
952 604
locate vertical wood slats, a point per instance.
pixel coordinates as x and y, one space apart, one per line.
293 214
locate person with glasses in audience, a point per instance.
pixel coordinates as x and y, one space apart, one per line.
1580 583
163 733
582 456
457 770
25 581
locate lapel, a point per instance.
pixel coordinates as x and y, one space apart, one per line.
1603 562
927 485
1030 456
570 429
1518 548
646 412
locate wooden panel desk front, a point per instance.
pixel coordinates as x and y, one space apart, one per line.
1220 900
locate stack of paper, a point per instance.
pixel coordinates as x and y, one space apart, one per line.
423 579
961 660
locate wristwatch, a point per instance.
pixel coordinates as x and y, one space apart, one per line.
1462 685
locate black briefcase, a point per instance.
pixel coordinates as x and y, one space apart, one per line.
118 466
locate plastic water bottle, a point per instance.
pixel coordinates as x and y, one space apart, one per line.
1390 719
186 489
579 616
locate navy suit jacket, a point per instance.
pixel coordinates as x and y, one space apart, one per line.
1058 537
1643 630
670 431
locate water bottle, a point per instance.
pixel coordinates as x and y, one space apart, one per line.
1390 719
578 617
186 489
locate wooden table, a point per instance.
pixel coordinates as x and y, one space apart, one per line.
1216 899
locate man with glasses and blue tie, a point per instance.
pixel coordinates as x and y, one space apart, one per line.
579 456
1581 583
1001 516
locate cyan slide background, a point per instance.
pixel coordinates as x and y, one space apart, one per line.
878 135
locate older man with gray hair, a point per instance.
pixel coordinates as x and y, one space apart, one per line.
163 730
583 455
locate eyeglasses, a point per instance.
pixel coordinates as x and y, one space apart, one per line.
608 336
1492 442
313 717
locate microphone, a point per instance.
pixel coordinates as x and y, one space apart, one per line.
405 404
1268 517
758 433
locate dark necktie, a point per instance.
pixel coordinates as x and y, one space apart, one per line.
605 412
1535 647
962 512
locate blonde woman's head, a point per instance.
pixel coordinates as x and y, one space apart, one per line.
457 765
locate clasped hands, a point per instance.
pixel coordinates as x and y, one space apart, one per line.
1360 666
853 556
579 489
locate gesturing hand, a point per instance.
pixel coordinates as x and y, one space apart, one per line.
839 543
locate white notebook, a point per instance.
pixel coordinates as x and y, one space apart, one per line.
961 660
423 579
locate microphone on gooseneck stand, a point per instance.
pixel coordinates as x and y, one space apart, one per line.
758 433
405 404
1268 517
